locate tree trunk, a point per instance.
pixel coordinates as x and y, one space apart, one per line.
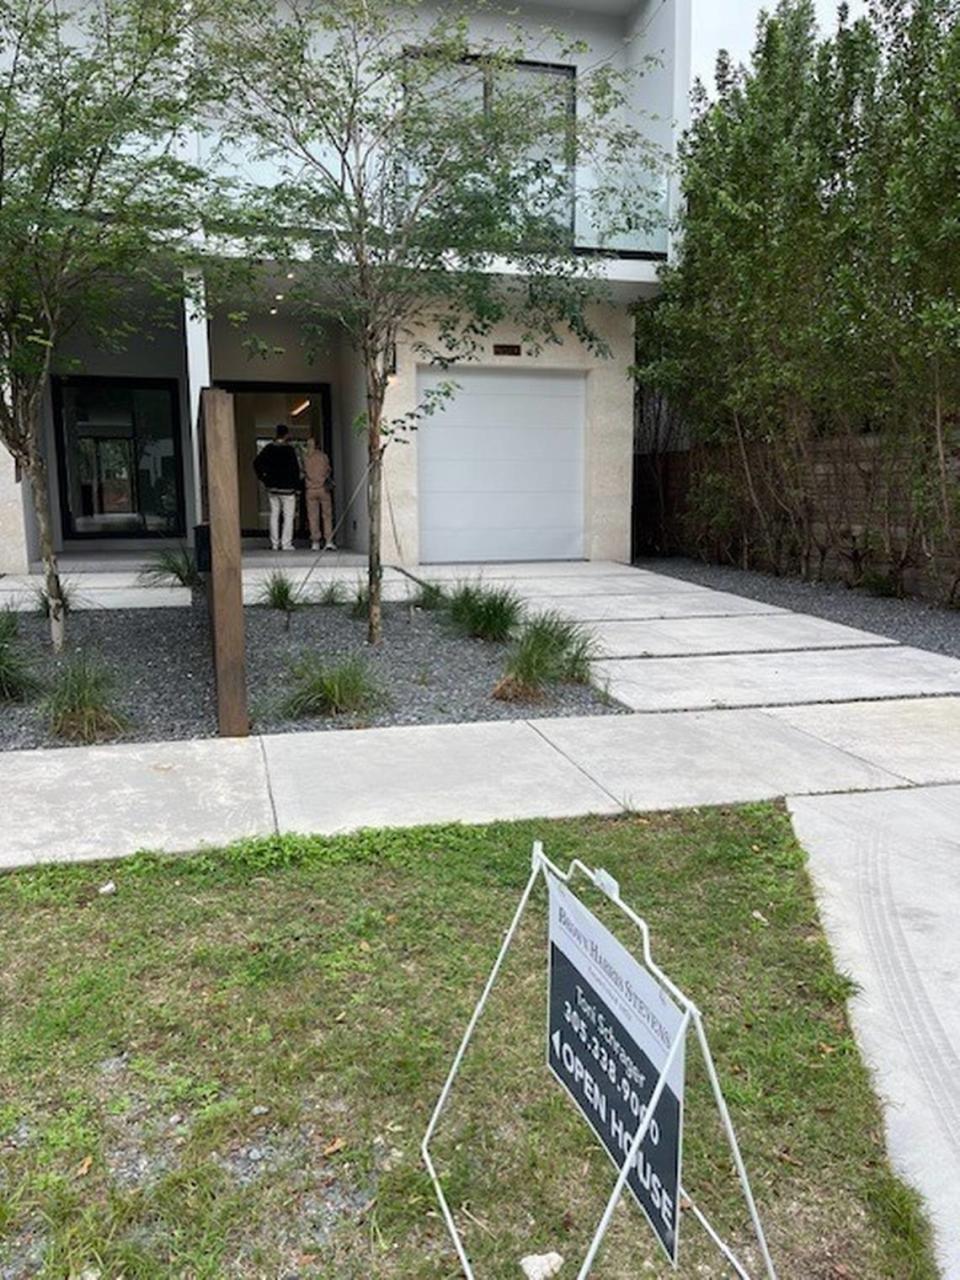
752 489
375 513
945 503
37 474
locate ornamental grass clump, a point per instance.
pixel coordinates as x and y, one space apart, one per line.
324 689
485 613
361 602
171 567
9 625
278 592
68 595
430 597
80 702
332 593
550 649
17 679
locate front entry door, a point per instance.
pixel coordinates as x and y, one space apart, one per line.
258 408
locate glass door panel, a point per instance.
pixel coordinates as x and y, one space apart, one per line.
120 459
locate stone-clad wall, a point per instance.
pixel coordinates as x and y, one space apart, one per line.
13 543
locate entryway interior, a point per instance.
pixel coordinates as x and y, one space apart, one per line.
258 410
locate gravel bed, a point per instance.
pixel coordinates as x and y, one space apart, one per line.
911 621
161 662
428 673
164 678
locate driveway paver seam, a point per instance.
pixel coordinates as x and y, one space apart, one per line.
853 755
739 653
777 706
859 647
675 617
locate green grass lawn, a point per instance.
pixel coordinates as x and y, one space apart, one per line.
226 1068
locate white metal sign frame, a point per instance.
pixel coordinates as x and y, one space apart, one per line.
542 866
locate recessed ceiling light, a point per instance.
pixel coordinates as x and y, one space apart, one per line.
279 297
273 311
290 275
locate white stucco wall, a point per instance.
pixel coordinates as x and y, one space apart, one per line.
584 36
608 453
13 541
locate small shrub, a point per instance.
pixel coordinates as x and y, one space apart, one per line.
68 595
430 596
170 567
320 689
550 648
278 592
334 592
361 601
17 679
712 523
487 613
79 703
876 583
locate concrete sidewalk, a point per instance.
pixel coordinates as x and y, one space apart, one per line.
79 803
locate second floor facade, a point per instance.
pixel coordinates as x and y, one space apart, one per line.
645 41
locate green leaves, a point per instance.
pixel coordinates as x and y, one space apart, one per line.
410 158
818 289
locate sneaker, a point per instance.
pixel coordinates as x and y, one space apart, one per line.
331 546
314 546
273 548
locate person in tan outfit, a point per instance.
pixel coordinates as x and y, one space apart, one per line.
316 483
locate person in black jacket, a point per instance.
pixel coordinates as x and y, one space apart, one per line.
278 470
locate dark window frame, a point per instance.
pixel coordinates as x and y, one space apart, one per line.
58 384
237 386
562 69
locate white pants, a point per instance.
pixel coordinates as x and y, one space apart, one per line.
283 510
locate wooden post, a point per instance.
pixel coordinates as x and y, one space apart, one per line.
226 583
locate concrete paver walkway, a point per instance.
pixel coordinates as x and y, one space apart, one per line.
733 700
743 633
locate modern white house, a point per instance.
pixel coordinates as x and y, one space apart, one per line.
531 460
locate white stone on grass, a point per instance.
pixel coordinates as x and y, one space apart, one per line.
541 1266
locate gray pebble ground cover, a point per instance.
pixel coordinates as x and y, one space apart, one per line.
911 622
164 685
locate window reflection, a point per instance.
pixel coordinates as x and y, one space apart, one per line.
120 454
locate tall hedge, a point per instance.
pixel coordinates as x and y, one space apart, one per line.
816 293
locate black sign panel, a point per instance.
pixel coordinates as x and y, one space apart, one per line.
612 1080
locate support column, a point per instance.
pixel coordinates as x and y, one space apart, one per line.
199 377
13 533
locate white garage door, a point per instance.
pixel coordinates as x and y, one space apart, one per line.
501 468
